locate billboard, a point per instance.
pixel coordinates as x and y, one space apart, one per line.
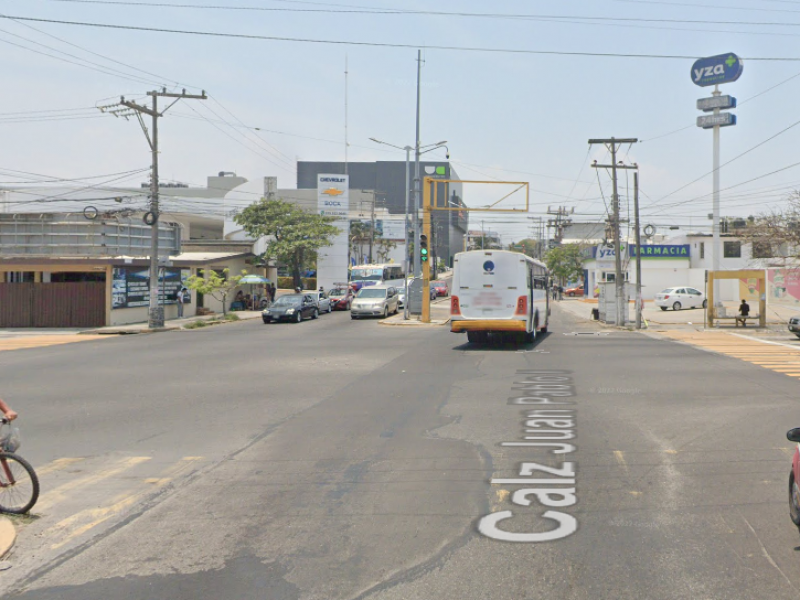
333 195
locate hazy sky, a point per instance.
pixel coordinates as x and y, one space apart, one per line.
505 115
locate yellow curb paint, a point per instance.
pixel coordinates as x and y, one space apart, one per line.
58 494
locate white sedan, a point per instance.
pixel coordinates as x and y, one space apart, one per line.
681 297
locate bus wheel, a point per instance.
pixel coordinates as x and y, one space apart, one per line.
530 337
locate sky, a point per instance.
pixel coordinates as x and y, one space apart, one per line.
517 88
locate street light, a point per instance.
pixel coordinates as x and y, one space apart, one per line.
408 150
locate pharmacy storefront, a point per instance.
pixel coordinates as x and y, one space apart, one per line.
663 266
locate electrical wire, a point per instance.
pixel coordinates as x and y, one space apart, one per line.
231 35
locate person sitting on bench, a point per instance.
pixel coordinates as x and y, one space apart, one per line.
744 312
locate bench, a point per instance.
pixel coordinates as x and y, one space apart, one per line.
738 319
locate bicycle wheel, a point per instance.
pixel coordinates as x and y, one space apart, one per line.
19 485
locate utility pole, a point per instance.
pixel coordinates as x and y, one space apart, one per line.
638 251
613 144
417 181
156 313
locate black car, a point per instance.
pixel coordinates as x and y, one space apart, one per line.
794 326
292 307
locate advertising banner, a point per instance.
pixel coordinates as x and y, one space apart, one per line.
333 195
784 286
131 286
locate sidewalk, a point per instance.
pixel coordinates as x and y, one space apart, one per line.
170 325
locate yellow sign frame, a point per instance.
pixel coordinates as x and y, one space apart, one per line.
429 200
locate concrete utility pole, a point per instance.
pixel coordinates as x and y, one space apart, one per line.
417 181
613 144
638 251
156 313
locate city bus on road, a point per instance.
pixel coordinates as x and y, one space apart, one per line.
385 275
498 292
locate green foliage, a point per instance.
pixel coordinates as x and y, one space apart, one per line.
565 263
195 325
211 283
295 234
528 246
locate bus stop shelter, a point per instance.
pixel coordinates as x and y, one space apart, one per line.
758 274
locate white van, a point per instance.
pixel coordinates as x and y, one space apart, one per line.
497 291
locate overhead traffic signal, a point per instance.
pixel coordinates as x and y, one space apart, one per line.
423 248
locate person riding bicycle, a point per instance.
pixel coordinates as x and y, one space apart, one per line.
7 411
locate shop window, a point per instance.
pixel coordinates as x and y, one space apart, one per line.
732 249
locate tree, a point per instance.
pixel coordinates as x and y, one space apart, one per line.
295 234
775 234
211 283
528 246
384 246
565 262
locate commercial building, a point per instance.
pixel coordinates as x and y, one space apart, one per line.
78 257
385 181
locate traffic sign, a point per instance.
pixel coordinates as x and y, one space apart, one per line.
714 70
709 104
722 119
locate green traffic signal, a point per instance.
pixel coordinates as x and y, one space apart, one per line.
423 247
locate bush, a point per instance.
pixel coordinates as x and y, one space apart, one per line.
195 325
232 317
285 283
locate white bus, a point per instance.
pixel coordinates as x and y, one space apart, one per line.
387 275
497 291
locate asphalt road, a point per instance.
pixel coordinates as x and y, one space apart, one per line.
343 460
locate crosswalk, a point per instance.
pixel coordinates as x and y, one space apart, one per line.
38 341
80 494
775 356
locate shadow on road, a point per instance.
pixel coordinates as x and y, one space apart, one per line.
503 343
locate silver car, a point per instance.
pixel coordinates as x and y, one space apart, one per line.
375 302
322 301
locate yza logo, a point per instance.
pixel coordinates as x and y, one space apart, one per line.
708 72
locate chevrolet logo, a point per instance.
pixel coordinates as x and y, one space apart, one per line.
332 192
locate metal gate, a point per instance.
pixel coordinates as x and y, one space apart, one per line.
74 304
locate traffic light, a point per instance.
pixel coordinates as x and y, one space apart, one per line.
423 248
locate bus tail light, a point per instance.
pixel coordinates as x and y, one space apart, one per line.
455 307
522 306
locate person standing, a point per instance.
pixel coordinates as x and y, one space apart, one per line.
181 298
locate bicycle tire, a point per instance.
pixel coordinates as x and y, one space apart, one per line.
18 497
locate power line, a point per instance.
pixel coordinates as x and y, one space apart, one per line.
380 44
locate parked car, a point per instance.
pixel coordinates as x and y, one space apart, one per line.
375 302
440 287
794 326
322 301
680 297
341 298
574 291
291 307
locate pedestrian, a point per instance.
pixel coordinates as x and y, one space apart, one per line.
560 292
181 298
7 411
744 311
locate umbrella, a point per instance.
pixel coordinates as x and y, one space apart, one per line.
253 280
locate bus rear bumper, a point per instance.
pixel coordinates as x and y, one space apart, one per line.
487 325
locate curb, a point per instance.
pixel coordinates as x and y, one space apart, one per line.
8 535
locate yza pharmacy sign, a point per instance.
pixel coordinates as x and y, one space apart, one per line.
715 70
